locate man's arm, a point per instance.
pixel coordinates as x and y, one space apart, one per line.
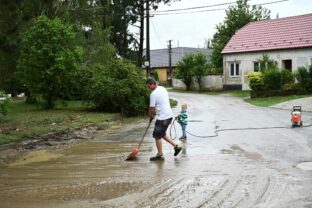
151 112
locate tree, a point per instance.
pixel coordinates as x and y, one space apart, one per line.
49 58
237 16
192 65
185 70
15 17
200 68
267 63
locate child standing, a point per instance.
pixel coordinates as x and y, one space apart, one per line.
182 120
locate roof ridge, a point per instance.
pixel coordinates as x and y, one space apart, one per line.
272 34
280 18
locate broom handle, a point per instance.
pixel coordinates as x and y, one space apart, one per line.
145 133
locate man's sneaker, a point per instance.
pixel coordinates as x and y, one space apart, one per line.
182 138
157 157
177 150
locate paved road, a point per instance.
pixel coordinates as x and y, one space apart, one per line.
305 103
239 168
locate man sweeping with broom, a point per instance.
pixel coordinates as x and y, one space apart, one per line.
160 106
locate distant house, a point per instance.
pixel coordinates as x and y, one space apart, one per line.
160 60
288 41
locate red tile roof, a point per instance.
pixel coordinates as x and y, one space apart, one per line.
275 34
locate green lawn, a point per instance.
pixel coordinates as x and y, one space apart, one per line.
27 121
269 101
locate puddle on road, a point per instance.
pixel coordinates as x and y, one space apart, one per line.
305 166
195 121
34 156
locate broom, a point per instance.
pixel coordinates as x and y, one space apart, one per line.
135 152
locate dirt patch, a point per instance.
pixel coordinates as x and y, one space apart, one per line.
250 155
11 153
34 156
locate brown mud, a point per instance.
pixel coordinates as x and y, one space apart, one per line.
235 169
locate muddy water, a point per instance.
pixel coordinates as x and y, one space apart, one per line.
232 170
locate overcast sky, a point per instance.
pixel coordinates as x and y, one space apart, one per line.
191 28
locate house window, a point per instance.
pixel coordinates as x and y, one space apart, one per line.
287 64
234 69
260 66
256 66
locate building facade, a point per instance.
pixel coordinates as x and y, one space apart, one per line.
287 41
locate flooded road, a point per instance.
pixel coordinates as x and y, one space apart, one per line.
250 167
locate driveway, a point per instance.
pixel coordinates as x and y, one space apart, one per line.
252 165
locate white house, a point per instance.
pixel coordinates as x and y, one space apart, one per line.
287 40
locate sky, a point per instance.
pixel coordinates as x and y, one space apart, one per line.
192 28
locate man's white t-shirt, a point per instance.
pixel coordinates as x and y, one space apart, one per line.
159 99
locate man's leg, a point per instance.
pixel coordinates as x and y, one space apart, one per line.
177 148
159 146
168 139
159 155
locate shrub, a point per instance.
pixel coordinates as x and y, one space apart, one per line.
286 77
272 79
292 88
256 81
304 77
118 87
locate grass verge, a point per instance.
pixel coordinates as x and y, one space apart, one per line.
26 121
269 101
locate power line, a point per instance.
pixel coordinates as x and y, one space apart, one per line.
156 32
199 7
209 10
170 12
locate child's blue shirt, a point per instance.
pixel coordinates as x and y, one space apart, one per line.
182 118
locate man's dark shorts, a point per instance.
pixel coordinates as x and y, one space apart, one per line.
161 127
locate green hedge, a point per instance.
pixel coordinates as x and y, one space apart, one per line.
273 93
118 87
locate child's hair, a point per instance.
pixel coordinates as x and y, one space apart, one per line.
184 106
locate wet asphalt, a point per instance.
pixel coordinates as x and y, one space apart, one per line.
250 162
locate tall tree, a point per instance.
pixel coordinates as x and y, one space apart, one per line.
15 17
237 16
49 59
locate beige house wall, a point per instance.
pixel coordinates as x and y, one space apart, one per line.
299 57
210 82
162 74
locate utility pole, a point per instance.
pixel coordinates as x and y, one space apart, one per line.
140 58
170 63
148 56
